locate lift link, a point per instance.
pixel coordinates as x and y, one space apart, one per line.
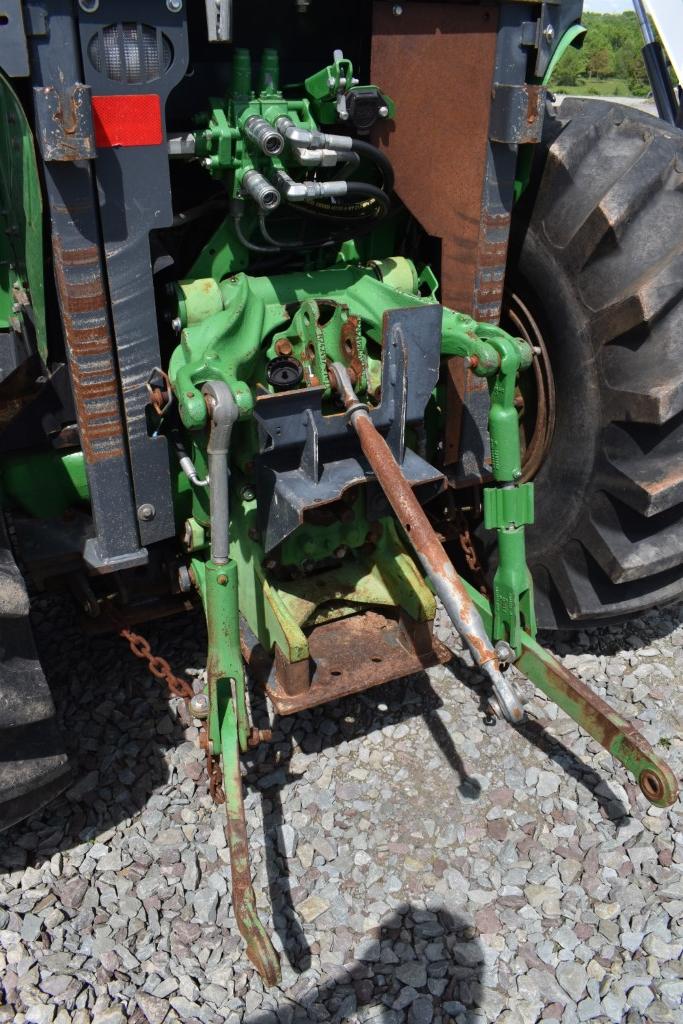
491 352
472 616
228 724
509 506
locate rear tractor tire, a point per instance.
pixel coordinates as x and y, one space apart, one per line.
596 280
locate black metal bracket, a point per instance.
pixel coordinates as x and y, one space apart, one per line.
309 459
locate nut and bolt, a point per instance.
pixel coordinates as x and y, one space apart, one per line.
549 33
383 111
248 493
222 580
504 652
174 6
199 706
184 580
146 513
397 10
89 6
177 324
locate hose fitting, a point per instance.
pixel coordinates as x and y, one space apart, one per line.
263 135
265 195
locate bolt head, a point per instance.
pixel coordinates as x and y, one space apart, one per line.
397 10
340 552
89 6
383 111
174 6
248 493
146 512
199 706
222 580
549 33
504 652
184 580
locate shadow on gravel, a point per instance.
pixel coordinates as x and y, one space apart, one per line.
117 726
355 716
410 949
555 750
616 639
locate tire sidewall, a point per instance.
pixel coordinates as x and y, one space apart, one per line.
564 481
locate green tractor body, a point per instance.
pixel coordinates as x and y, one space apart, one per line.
302 342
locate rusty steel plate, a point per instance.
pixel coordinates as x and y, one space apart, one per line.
347 656
436 61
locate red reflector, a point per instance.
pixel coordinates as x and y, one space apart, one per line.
127 120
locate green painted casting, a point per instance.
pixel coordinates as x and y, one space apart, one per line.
22 290
218 587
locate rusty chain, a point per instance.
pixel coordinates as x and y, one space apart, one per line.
157 665
177 687
470 553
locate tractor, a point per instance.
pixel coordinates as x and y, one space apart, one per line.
314 315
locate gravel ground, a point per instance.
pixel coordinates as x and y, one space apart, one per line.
414 864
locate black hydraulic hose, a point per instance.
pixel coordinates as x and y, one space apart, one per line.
353 213
237 222
362 188
370 152
198 212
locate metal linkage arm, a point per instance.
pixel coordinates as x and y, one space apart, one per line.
426 545
624 742
228 719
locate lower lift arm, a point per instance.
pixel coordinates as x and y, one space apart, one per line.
512 620
229 733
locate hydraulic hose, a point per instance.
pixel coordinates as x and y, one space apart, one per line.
350 213
376 156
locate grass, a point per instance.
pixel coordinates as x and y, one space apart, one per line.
596 87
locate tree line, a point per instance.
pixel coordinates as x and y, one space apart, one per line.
611 49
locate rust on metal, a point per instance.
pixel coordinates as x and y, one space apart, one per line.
414 521
157 665
349 345
537 435
490 279
429 549
78 274
64 123
439 173
604 724
346 656
259 948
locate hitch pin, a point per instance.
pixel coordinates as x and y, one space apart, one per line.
427 546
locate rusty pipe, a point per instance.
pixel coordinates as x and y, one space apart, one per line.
427 546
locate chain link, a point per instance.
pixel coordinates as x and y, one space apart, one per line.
177 687
470 553
157 665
